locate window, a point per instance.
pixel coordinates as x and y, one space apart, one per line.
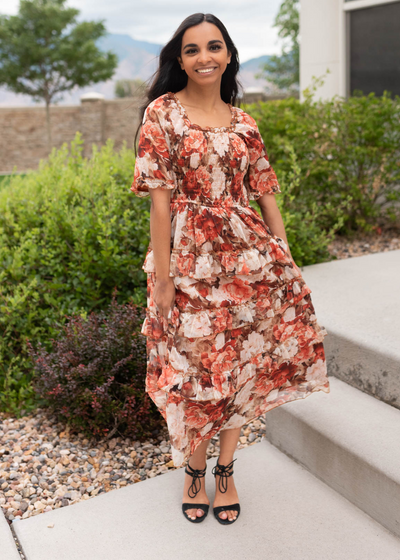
374 55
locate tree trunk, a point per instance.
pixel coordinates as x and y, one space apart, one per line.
49 140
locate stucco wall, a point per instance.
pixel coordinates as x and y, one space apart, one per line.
322 44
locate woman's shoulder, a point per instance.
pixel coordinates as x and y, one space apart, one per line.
244 119
159 107
246 125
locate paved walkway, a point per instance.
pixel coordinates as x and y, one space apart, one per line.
287 513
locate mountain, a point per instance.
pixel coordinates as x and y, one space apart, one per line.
251 67
124 45
137 59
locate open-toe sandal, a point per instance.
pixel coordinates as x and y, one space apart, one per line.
192 492
223 471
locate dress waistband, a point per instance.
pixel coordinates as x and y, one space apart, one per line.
218 204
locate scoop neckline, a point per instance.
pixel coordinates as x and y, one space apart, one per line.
205 128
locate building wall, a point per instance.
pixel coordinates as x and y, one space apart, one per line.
326 43
23 138
320 47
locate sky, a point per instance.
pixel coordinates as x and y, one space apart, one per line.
249 22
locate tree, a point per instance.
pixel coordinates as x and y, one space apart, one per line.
45 52
283 70
129 88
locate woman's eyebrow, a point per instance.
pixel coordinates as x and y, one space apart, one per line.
209 43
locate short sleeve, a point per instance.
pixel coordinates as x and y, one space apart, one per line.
153 165
260 177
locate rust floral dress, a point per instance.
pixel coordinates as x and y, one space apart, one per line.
243 336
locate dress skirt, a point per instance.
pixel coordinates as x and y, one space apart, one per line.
220 363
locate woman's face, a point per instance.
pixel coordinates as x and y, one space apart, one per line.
203 48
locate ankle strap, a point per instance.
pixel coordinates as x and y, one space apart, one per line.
196 474
223 472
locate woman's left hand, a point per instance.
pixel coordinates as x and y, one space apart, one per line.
290 255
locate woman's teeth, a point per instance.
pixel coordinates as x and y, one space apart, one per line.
206 71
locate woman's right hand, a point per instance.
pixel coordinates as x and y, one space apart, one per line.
164 296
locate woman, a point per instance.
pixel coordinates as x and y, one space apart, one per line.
231 330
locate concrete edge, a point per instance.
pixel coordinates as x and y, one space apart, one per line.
9 549
363 367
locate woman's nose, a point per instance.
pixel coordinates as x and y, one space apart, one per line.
204 56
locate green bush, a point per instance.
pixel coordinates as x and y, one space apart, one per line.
69 233
348 153
307 241
5 179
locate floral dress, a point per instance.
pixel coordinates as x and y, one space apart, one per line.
243 336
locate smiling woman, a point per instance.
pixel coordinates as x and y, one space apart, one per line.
230 325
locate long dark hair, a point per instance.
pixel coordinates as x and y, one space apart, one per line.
170 76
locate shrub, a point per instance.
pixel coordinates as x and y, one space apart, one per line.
348 153
69 233
94 376
308 242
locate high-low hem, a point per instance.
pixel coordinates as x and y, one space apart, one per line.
181 456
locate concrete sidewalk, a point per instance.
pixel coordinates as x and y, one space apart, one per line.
287 513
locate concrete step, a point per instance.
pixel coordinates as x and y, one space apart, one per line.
349 440
287 513
357 301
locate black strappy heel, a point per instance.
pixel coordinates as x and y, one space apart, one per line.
196 474
223 472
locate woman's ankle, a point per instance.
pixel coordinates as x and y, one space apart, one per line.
225 459
196 463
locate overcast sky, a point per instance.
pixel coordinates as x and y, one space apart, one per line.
249 22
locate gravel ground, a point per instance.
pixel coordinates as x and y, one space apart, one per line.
343 248
42 467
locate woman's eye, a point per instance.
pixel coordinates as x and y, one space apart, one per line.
217 47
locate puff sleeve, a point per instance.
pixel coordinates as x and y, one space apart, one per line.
260 178
153 165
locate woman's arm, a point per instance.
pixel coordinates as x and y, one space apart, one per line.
160 232
272 217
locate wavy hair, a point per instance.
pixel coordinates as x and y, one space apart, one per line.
170 77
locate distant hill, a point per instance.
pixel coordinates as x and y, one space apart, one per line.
124 45
251 67
137 59
254 63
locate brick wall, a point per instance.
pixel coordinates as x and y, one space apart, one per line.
23 131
